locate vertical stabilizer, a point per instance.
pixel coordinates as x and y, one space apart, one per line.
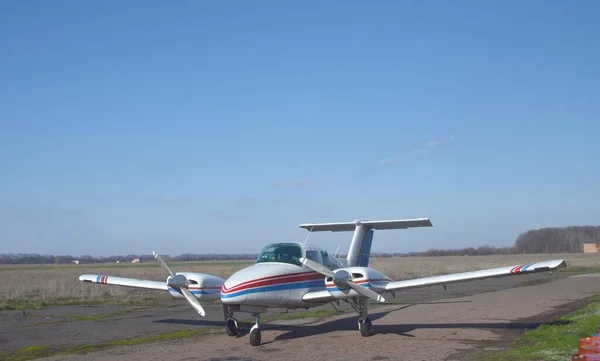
360 248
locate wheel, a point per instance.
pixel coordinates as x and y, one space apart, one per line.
365 327
255 337
232 327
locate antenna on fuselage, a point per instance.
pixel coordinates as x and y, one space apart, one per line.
336 251
308 235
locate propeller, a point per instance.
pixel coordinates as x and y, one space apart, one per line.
180 283
342 278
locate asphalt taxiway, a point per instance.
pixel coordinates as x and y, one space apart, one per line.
460 323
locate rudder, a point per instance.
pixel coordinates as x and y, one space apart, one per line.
364 252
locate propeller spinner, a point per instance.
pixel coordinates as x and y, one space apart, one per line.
342 278
180 283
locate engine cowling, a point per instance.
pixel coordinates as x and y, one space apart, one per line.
203 286
365 277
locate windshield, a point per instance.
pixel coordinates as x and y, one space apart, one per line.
281 252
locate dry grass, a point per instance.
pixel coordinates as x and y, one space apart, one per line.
400 268
26 286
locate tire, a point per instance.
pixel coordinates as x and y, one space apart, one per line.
366 328
231 327
255 337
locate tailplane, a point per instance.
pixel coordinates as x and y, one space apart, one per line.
360 248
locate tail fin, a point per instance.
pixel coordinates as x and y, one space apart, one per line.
360 248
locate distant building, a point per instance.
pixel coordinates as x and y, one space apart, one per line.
135 260
590 248
76 261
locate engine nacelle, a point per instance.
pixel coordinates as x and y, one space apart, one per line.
363 276
203 286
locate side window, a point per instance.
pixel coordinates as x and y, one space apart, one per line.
313 256
326 261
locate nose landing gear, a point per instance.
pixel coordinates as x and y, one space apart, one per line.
255 331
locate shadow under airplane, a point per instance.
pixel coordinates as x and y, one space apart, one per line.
349 323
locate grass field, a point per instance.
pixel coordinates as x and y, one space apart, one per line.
33 286
556 341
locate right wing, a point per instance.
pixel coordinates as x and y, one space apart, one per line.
382 286
475 275
127 282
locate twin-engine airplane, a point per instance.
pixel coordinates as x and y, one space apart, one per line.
292 275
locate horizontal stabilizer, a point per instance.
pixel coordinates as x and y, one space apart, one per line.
126 282
374 225
475 275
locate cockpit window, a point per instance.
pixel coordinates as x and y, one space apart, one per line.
281 252
313 256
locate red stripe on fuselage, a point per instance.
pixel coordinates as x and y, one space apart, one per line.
269 281
269 278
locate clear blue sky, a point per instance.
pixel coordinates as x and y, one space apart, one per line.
132 126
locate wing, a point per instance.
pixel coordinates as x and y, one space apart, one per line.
325 296
475 275
127 282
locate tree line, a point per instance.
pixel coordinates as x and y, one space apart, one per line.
544 240
34 258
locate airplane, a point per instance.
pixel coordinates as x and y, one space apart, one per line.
293 275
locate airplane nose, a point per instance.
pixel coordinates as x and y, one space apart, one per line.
231 292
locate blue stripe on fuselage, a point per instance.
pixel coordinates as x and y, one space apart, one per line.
279 287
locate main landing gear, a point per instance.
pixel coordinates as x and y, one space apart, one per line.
364 323
233 329
231 324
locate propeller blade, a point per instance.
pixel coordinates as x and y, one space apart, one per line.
179 282
317 267
366 292
162 263
193 301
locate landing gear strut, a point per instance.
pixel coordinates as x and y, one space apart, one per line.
231 324
255 332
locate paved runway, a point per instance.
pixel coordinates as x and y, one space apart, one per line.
459 328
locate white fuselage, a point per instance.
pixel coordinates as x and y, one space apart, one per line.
284 285
279 280
272 285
